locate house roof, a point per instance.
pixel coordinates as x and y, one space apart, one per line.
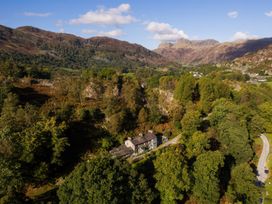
143 139
121 151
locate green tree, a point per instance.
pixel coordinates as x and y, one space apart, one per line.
103 180
172 175
197 144
210 90
191 122
11 179
234 139
242 186
206 173
266 113
167 82
185 89
143 115
141 191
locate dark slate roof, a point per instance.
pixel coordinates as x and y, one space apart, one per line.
146 138
121 151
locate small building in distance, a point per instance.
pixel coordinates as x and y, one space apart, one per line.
136 145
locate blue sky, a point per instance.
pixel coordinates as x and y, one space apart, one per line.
147 22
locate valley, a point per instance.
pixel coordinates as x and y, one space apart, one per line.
102 120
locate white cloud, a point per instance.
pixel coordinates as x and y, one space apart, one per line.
88 31
269 14
61 30
233 14
243 36
110 16
112 33
59 23
37 14
165 32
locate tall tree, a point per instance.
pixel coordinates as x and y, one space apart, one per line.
197 144
206 174
210 90
234 138
185 89
242 186
191 122
104 180
173 180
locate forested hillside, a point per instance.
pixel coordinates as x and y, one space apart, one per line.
33 46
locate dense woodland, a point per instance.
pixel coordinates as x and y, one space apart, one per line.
61 134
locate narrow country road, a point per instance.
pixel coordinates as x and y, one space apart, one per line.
262 175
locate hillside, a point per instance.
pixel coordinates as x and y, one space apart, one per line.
260 61
31 45
209 51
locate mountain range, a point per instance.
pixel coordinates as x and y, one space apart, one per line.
209 51
30 45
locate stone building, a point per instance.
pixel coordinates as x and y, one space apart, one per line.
136 145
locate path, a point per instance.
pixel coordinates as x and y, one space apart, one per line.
261 168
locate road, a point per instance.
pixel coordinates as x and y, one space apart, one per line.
262 175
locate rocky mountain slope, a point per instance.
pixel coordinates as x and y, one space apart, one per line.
209 51
31 45
260 61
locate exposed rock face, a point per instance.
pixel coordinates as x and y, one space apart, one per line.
209 51
91 92
28 44
167 103
96 90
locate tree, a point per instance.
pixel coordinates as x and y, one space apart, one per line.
191 122
210 90
234 138
155 115
123 120
143 115
172 175
206 174
11 179
242 186
132 94
141 191
103 180
221 108
4 90
197 144
8 111
167 82
266 113
185 89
